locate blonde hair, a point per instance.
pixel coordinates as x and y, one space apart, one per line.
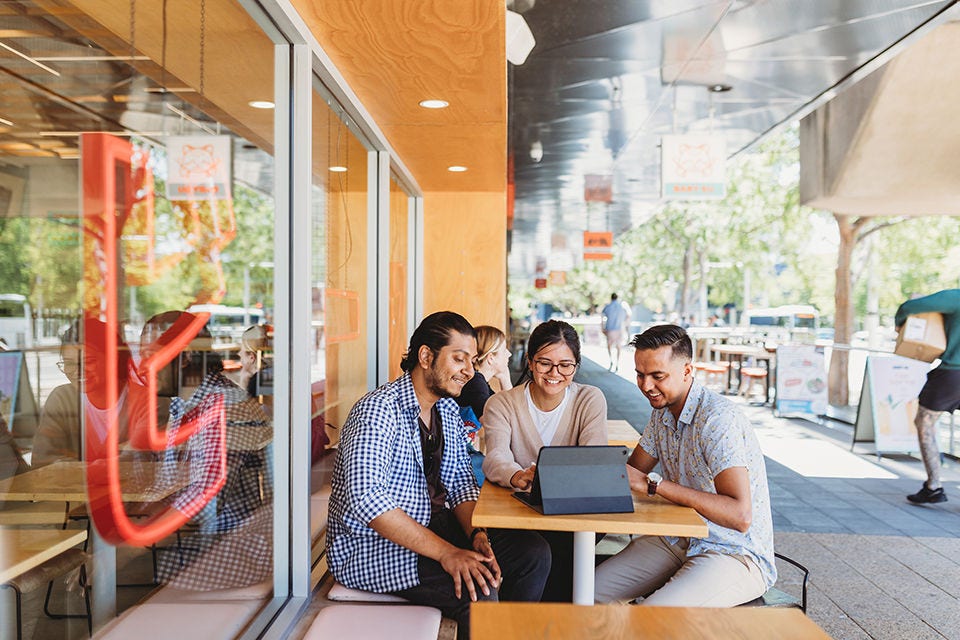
257 338
488 338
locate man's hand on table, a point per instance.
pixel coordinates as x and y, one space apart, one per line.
637 479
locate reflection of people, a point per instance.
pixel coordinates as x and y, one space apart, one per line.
614 324
58 432
711 461
492 369
403 491
550 409
941 392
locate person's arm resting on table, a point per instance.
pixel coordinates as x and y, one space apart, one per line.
731 506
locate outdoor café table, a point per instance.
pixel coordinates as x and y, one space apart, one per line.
24 549
64 481
655 516
738 352
540 621
620 432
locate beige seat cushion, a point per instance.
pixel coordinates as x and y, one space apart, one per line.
374 622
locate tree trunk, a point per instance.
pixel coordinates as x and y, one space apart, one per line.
685 283
838 379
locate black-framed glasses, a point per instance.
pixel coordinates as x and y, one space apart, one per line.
564 368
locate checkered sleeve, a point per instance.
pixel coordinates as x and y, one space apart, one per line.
367 443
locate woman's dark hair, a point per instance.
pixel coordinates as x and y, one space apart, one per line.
665 335
552 332
434 331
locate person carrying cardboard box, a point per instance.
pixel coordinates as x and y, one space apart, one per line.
941 392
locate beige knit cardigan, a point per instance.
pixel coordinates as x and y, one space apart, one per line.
512 440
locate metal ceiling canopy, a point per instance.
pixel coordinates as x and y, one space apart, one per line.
607 80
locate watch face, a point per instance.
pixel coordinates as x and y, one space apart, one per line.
654 477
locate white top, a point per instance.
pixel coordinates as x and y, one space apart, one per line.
546 421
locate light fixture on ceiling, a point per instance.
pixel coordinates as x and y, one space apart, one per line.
520 40
456 168
261 104
719 88
6 122
536 151
434 104
337 169
30 59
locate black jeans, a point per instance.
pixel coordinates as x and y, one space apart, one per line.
523 556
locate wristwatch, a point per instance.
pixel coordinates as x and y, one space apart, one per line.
477 531
653 479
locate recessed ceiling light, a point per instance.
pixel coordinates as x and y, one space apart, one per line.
337 169
6 122
434 104
456 169
261 104
719 88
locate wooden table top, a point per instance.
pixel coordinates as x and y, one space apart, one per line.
24 549
651 516
741 350
535 621
621 433
65 482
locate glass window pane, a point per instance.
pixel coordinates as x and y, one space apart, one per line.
136 256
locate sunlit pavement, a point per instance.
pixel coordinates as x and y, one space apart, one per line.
880 566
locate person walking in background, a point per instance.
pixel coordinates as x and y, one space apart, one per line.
614 324
550 409
941 392
711 461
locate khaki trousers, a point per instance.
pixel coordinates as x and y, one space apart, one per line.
661 573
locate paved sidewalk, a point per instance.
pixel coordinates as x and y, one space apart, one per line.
880 566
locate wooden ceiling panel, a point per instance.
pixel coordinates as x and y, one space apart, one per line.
395 53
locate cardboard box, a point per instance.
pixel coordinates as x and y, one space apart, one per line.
922 337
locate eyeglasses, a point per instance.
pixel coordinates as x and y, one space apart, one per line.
564 368
65 365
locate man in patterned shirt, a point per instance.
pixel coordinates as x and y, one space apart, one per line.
403 490
710 461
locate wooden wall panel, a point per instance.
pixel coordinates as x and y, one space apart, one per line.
465 255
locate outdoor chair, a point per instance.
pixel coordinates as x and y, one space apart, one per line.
776 598
46 573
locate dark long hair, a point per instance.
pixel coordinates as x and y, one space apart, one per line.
434 331
548 333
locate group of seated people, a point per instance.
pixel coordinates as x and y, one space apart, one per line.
403 491
198 387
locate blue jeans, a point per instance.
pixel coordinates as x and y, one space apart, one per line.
523 556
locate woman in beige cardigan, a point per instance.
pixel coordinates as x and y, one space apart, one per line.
549 409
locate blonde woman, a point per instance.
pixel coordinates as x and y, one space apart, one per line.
492 372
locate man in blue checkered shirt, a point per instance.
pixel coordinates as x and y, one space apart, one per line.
404 491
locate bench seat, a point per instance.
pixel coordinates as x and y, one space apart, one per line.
374 622
340 593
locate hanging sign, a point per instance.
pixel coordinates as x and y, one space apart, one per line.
198 168
557 278
693 167
597 245
597 188
540 283
888 403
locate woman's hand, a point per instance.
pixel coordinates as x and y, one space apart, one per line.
523 480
